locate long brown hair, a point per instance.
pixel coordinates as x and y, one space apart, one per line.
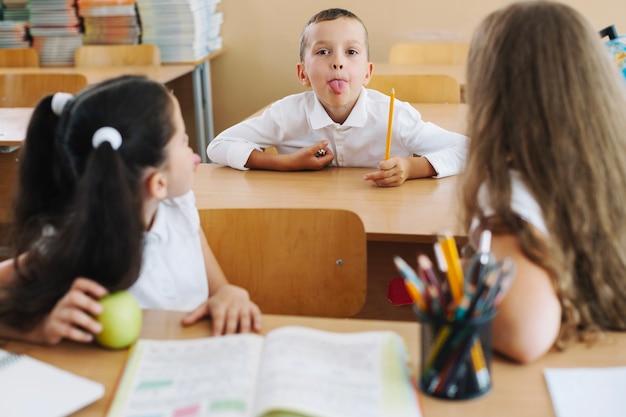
546 100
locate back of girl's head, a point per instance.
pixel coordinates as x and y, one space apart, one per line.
546 100
326 15
94 195
57 147
540 86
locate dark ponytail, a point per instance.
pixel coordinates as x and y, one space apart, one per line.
44 188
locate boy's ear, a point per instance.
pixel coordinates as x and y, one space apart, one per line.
157 185
368 74
302 75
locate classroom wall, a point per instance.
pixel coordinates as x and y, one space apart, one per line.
262 38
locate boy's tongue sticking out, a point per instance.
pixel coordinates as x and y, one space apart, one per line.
338 85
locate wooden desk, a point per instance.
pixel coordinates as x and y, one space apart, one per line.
413 212
13 124
517 390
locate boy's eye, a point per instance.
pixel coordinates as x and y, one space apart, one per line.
352 52
323 52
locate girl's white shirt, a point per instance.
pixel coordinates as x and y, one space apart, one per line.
173 274
523 203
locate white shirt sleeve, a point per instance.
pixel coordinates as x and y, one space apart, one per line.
234 145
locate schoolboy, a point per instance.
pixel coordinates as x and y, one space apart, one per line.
340 122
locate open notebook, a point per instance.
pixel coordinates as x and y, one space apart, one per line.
31 388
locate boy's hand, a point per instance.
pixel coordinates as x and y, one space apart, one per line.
314 157
72 316
231 309
393 172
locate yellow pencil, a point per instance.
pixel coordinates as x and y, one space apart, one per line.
455 272
391 100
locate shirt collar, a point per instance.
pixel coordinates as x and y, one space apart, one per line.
159 228
319 118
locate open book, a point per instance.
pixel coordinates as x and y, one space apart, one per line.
291 371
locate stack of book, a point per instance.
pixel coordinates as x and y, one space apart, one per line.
55 29
14 10
216 18
180 28
109 22
14 34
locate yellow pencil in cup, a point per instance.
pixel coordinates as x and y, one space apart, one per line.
390 123
455 272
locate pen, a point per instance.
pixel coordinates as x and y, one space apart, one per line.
389 123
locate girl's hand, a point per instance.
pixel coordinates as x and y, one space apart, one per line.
231 309
72 316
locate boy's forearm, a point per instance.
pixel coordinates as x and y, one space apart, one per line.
269 161
420 167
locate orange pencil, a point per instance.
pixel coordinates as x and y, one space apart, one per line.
391 100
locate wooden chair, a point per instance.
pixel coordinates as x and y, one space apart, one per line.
26 90
292 261
419 88
19 57
430 53
117 55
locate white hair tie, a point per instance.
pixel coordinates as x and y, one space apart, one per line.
59 100
107 134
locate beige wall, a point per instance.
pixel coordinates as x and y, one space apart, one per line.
262 36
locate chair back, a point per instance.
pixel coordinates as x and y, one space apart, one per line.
419 88
117 55
8 186
430 53
26 90
292 261
19 57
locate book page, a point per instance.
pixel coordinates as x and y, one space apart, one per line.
314 372
209 376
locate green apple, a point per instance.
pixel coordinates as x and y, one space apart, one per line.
120 319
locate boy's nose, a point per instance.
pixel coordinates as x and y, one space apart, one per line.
337 66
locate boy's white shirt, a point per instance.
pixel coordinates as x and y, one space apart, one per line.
173 274
300 120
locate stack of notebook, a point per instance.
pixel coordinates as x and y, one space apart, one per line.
55 29
14 34
14 10
109 22
180 28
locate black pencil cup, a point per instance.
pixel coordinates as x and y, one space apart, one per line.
456 358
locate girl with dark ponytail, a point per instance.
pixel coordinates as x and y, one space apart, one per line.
99 174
